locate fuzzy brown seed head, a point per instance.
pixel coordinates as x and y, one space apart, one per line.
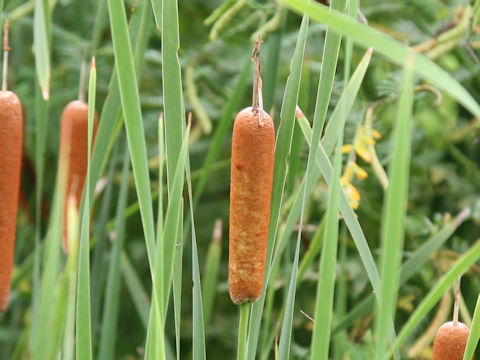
250 195
11 141
450 341
73 149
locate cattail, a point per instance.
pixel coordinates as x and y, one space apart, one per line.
253 144
11 141
73 148
451 338
450 341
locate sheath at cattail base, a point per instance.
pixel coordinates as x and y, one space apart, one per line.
11 140
253 145
450 341
73 148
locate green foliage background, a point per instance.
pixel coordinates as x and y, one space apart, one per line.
443 179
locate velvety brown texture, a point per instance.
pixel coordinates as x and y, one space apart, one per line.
250 193
11 140
73 148
450 341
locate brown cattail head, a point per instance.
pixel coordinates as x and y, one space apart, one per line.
250 194
450 341
11 141
73 149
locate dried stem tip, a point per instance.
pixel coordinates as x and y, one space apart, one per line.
6 49
257 99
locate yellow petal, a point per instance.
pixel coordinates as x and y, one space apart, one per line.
376 134
361 174
347 148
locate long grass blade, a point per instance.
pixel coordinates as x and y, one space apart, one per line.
177 283
41 111
110 122
99 265
172 87
50 262
326 279
110 311
164 260
171 238
199 350
394 212
41 40
157 12
174 114
132 114
135 288
83 318
211 272
474 335
70 281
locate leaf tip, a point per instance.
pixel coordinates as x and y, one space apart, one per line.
46 93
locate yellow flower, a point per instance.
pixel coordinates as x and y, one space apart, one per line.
352 193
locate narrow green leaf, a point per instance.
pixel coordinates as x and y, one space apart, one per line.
474 335
136 289
83 318
110 121
172 87
326 279
157 12
244 310
162 279
345 102
199 351
211 272
42 46
177 282
312 250
112 295
133 120
99 265
70 283
394 212
41 112
171 238
50 262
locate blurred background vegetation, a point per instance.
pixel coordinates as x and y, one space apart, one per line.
444 179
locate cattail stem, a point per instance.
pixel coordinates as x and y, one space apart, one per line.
455 306
257 98
243 331
81 87
6 49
